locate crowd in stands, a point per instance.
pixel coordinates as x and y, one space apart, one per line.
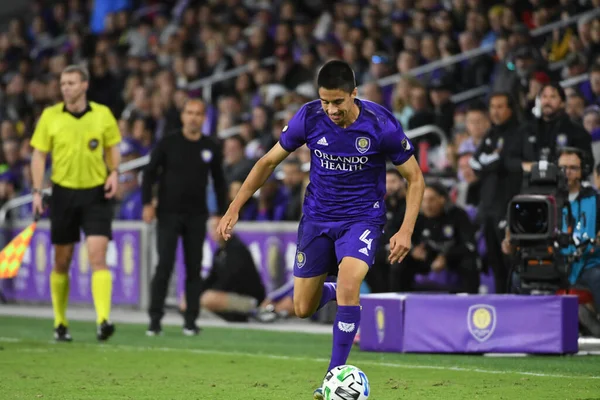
145 57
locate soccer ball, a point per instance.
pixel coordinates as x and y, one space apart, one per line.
346 382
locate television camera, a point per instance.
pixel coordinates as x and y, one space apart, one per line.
535 224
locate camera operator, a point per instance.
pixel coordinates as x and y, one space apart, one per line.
443 238
543 137
585 210
499 182
584 202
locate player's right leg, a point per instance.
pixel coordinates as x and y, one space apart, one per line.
64 233
314 257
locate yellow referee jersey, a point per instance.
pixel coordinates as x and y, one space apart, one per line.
77 144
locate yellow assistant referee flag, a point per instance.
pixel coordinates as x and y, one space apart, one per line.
12 255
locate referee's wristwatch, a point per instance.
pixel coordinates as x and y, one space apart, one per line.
36 191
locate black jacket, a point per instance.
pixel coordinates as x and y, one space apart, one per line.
234 271
451 234
540 138
499 180
182 167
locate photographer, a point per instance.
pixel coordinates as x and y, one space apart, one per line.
444 238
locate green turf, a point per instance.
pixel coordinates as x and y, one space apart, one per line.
244 364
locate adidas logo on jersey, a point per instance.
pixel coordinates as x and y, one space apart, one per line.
364 251
346 326
323 141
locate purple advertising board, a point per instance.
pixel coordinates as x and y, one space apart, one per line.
273 251
490 324
382 322
32 284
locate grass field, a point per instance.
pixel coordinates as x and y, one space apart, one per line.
237 364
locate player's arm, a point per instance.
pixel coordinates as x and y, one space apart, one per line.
411 171
259 174
113 158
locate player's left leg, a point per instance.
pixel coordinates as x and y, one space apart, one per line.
355 248
101 284
347 320
96 224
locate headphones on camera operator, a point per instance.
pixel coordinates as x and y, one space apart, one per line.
586 167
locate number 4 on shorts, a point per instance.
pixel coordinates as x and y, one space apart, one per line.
363 238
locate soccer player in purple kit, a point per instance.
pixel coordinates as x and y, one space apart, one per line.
344 209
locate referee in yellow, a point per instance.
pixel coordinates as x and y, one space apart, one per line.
83 138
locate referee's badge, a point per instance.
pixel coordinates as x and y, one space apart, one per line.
206 155
93 144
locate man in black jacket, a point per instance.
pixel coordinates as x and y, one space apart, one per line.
499 181
444 238
181 163
233 288
543 137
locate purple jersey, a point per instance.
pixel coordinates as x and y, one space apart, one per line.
347 170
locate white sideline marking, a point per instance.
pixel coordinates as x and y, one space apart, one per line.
116 348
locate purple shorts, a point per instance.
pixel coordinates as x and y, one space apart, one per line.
322 245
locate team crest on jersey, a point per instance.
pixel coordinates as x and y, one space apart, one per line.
300 259
93 144
206 155
363 144
405 144
448 231
561 139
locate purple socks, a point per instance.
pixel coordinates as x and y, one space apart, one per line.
329 294
347 321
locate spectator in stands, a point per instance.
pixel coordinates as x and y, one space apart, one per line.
292 178
440 91
591 123
591 88
233 288
443 240
142 132
543 137
129 194
575 107
468 188
476 71
378 277
477 123
235 164
500 181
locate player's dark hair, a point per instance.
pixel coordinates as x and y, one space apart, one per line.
336 74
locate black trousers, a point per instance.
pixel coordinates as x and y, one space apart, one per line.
402 274
192 229
495 258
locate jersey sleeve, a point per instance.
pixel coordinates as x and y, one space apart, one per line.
293 134
41 138
112 135
396 145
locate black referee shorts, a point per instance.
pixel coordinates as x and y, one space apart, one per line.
73 210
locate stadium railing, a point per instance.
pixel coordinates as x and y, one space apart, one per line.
391 79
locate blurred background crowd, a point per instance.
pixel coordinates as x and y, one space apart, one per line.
431 62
